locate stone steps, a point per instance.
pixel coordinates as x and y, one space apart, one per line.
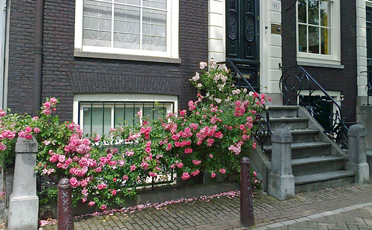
315 165
311 182
305 149
301 135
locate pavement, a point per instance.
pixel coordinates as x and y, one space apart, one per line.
346 207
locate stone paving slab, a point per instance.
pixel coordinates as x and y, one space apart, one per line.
338 208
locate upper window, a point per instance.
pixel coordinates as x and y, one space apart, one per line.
135 27
318 31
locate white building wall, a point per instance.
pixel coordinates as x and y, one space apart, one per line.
361 50
270 49
3 21
216 30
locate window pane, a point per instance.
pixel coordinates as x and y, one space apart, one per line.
154 30
313 39
324 13
126 114
325 41
313 8
160 4
96 120
302 11
97 23
131 2
127 27
302 35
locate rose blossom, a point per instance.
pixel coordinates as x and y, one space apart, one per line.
185 176
223 171
213 175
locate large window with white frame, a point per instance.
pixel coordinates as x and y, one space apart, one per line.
99 116
318 31
134 27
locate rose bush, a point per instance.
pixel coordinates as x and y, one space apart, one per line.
210 137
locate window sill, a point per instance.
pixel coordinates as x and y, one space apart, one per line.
323 65
78 53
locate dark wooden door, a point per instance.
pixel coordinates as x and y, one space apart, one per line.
242 37
369 47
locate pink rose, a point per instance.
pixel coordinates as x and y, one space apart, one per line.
103 207
185 176
91 203
254 173
2 147
223 171
180 165
53 100
36 130
196 162
28 129
2 113
47 105
97 138
74 182
213 175
133 167
152 174
47 111
101 186
114 192
125 177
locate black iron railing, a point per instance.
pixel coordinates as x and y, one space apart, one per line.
298 87
262 123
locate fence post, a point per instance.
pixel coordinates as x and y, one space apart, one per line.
64 209
246 202
24 203
281 179
357 154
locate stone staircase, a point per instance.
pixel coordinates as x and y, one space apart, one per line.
317 162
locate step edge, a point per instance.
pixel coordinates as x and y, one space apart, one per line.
320 159
339 176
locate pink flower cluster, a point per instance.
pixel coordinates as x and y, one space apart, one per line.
78 145
48 106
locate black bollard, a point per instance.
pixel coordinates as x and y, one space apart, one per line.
64 212
246 202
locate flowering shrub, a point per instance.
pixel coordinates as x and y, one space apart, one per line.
211 136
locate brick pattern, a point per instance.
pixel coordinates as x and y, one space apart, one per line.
344 80
64 75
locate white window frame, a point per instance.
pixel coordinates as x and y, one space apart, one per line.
335 42
172 36
107 98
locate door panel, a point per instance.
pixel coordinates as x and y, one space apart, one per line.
242 37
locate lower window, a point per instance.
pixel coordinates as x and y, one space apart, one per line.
100 116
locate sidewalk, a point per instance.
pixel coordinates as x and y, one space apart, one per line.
347 207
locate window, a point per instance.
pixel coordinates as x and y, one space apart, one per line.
318 31
132 27
100 116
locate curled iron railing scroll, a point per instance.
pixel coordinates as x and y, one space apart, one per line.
298 87
262 123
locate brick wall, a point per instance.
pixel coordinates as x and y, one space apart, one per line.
64 75
344 80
